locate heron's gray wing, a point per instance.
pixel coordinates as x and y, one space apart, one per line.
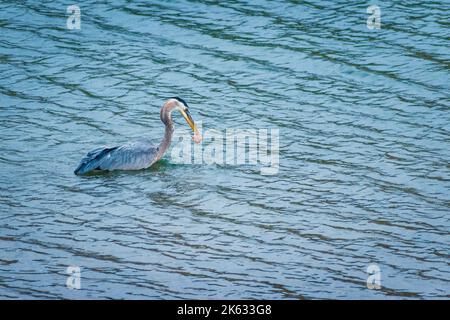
131 156
91 161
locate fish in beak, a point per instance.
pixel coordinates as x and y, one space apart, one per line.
187 116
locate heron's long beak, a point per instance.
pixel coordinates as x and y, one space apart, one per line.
189 120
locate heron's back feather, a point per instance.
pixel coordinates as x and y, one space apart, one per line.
132 156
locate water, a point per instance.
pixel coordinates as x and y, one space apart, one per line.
364 173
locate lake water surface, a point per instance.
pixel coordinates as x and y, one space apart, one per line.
364 176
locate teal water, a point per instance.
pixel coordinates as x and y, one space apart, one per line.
364 176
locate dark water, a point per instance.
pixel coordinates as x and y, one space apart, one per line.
364 177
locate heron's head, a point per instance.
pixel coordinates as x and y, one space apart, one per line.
179 104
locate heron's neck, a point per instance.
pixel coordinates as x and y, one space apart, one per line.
165 143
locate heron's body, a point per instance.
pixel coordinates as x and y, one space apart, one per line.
135 155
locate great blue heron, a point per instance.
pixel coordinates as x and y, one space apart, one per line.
142 153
